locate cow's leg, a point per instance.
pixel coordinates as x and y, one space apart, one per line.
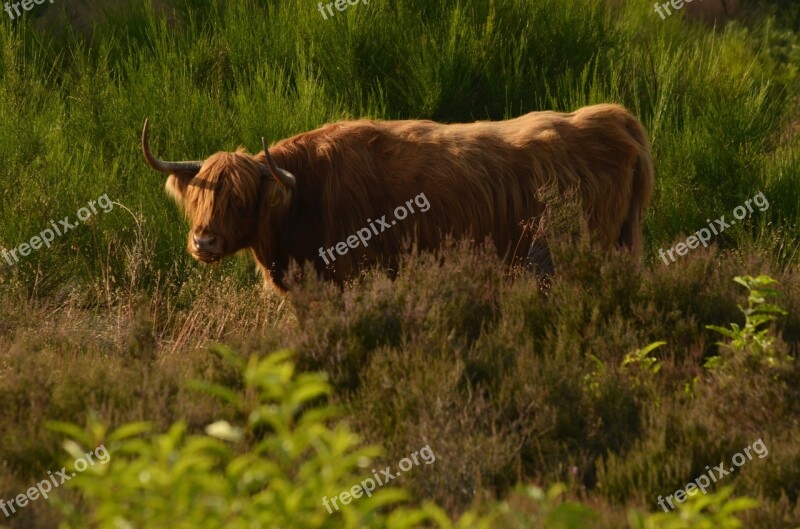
539 259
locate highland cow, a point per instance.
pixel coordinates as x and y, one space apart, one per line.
483 180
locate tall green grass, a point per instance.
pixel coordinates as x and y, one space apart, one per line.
721 107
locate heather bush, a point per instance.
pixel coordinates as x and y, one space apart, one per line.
278 467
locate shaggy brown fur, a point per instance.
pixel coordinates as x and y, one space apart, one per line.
482 181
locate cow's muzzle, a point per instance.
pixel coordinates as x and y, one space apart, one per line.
206 247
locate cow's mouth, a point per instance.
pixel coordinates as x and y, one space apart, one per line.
207 257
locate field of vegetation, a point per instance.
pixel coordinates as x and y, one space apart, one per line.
222 404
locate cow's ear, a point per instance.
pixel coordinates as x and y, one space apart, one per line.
177 184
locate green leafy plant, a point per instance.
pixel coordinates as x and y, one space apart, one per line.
591 380
699 511
272 471
754 338
640 357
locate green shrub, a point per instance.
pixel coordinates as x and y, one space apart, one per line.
753 340
272 471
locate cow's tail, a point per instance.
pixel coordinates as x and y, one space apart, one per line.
643 181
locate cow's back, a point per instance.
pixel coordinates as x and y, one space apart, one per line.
481 179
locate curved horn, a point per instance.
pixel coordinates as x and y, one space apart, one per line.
166 167
281 175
